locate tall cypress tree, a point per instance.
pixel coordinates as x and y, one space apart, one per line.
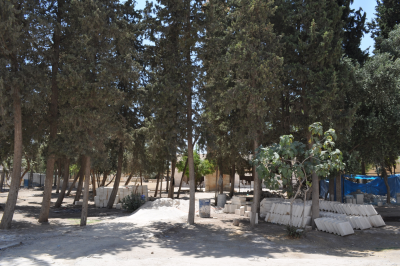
354 30
387 17
242 57
22 73
312 76
177 31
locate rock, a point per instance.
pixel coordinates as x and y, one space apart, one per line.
236 222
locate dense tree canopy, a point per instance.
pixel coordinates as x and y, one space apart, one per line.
110 89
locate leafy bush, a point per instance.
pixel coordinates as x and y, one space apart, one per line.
294 232
132 202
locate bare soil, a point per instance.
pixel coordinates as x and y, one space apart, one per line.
112 236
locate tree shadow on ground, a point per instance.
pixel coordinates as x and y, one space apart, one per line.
204 239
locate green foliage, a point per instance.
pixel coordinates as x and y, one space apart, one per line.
132 202
294 232
202 167
375 132
387 17
280 161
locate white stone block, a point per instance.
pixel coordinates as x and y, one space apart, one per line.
226 208
247 214
266 217
241 211
237 211
272 208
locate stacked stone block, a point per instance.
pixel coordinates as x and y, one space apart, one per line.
104 193
280 214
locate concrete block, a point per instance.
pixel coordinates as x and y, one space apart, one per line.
241 211
247 214
118 206
272 208
78 203
237 211
267 217
236 222
376 221
364 223
226 208
371 210
360 198
320 225
344 228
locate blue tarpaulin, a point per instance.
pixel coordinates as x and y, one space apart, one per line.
368 177
376 186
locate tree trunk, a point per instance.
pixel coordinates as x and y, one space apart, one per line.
55 174
221 179
3 175
167 177
172 183
103 182
118 177
26 171
363 167
129 179
216 186
339 188
158 181
112 180
86 191
75 179
59 176
93 184
64 185
17 161
141 179
180 183
385 179
331 188
162 178
314 189
257 185
80 184
315 198
53 113
232 180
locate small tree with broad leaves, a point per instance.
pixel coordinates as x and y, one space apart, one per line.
289 159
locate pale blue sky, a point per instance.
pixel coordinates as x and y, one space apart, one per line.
367 5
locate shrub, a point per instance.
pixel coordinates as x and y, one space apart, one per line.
132 202
294 232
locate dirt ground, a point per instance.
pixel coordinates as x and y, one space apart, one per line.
112 236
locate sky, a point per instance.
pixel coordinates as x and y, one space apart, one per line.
367 5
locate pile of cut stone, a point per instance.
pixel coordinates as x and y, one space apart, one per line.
341 218
280 214
103 195
238 206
